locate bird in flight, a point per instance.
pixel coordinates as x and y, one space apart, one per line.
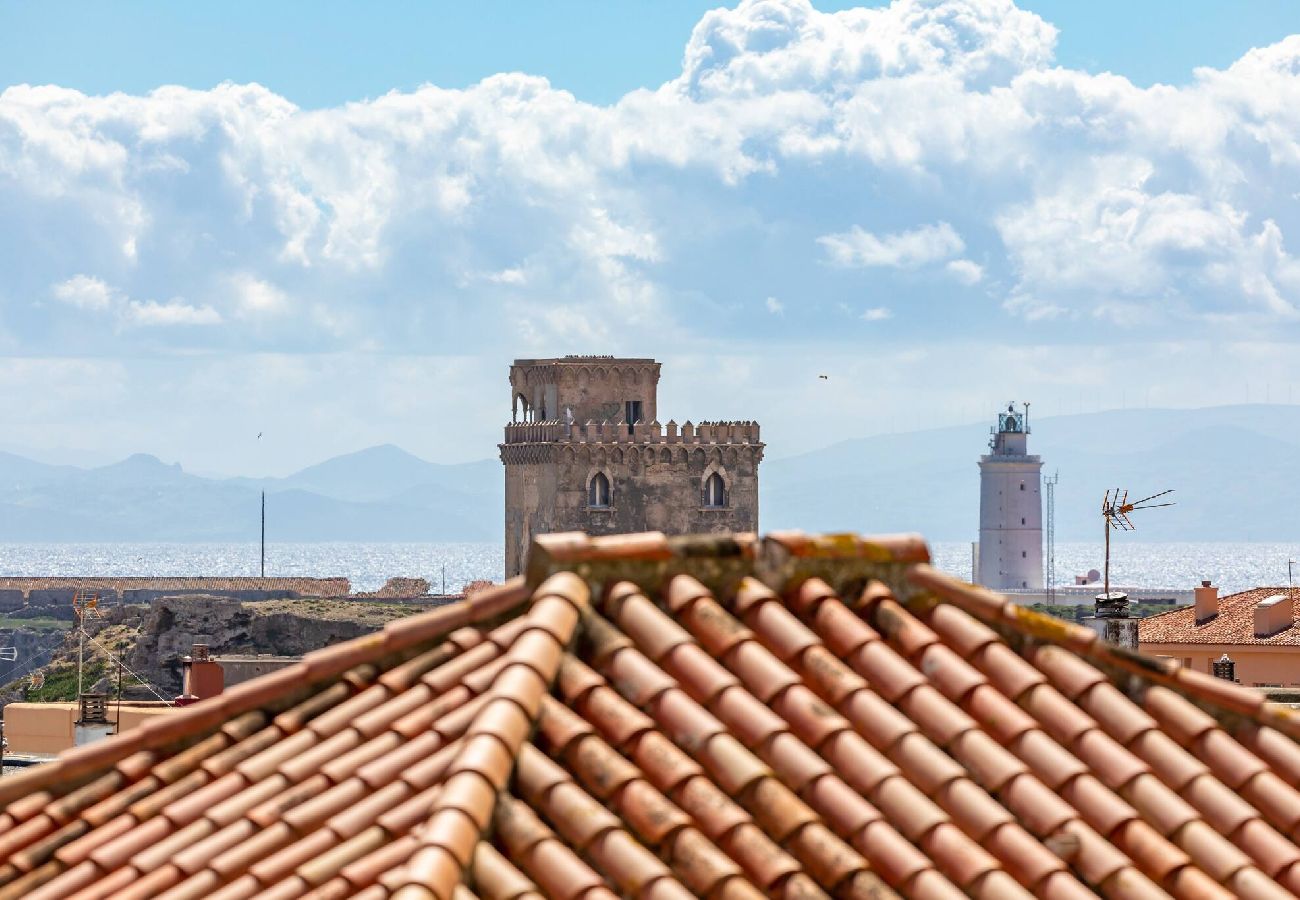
259 435
823 377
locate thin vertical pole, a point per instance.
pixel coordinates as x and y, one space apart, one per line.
81 647
263 534
1105 523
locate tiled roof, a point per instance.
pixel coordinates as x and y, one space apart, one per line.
1234 624
671 717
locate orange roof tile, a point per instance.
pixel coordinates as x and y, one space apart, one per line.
716 716
1234 623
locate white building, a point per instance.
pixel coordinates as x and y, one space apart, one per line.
1011 508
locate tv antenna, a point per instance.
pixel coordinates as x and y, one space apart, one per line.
1115 508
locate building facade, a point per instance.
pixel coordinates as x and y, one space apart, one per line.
1257 630
1011 508
585 451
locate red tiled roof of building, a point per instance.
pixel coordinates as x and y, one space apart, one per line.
673 717
1234 623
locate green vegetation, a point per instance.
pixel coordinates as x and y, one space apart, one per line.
1074 613
37 624
61 682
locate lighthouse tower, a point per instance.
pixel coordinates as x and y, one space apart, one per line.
1011 507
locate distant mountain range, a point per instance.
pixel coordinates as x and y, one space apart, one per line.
379 494
1235 471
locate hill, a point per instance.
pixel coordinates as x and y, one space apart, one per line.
381 494
1231 468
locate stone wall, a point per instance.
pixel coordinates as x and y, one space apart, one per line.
593 389
575 425
654 488
17 592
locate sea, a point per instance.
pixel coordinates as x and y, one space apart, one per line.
1231 566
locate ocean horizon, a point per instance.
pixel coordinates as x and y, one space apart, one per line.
1233 566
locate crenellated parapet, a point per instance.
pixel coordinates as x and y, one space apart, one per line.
551 431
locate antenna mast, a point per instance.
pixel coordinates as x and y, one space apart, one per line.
1114 514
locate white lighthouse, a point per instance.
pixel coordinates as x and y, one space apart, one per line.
1011 508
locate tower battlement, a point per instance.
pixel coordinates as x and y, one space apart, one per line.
555 431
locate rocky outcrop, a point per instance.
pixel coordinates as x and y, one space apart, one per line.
32 648
174 624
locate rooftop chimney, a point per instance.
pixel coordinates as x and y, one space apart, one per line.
1207 602
1272 615
201 676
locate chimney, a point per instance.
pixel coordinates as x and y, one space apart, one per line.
1272 615
1207 602
201 676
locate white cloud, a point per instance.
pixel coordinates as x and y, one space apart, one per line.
93 294
254 297
85 292
1108 245
510 218
965 271
514 276
877 314
904 249
150 312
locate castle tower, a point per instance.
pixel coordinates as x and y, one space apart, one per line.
1011 508
585 451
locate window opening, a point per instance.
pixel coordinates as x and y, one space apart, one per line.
631 413
598 491
715 491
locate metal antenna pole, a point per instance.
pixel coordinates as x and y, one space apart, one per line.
1105 524
263 534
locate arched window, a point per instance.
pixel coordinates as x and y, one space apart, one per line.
715 491
598 491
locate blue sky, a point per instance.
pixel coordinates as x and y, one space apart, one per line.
337 223
324 52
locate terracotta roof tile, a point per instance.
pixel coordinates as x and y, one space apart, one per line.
916 734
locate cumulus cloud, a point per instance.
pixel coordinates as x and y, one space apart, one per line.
151 312
904 249
85 292
381 223
254 297
965 271
921 148
88 293
877 314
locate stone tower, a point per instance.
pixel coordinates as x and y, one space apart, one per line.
585 451
1011 508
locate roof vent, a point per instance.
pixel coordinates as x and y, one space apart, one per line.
1272 615
1207 602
